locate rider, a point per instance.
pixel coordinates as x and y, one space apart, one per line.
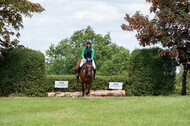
88 52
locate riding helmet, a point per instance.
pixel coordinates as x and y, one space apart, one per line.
89 42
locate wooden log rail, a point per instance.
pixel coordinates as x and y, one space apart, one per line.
93 93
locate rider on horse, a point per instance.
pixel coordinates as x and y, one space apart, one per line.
88 53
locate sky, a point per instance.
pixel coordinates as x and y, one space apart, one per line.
62 17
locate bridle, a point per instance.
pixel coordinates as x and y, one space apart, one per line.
88 70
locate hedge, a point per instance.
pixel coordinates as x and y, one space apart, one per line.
22 73
151 74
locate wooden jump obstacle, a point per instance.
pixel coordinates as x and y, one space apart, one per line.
93 93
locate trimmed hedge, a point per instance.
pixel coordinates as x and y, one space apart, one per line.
22 73
151 74
102 83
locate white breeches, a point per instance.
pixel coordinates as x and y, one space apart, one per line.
93 63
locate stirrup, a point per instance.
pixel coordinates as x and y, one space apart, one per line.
94 77
77 74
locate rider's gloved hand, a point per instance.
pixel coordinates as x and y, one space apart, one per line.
84 60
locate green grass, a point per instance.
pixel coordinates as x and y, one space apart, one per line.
129 111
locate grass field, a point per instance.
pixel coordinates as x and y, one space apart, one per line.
128 111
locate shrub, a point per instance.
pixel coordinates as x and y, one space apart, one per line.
151 74
22 72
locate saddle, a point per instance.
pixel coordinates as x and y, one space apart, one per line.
89 61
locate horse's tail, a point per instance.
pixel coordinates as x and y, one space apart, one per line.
76 70
76 82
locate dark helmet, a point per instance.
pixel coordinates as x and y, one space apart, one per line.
89 42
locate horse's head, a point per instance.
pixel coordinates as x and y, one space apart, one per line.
89 70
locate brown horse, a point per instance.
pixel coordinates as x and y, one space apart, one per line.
86 74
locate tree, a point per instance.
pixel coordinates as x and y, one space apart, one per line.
118 64
170 28
11 12
178 85
62 58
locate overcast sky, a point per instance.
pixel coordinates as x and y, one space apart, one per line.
62 17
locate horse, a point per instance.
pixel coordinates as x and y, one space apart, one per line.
86 74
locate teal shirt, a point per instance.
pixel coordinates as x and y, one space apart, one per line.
92 55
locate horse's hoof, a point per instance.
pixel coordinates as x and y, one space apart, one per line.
87 93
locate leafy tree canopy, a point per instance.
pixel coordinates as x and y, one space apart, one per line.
170 27
11 19
62 58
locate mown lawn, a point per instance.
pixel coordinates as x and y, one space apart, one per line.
128 111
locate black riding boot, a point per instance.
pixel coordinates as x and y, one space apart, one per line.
94 74
78 71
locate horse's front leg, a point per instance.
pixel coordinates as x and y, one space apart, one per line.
82 83
88 89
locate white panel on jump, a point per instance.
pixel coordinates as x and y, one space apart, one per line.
61 84
115 85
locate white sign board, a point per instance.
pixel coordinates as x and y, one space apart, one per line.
115 85
61 84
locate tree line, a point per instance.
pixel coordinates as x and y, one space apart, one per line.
110 58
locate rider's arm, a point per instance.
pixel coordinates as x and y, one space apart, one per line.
92 55
83 53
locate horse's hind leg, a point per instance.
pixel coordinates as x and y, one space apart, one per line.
82 83
86 85
76 84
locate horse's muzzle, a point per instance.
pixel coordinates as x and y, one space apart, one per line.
89 75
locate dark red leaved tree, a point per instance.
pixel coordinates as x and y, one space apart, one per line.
170 28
